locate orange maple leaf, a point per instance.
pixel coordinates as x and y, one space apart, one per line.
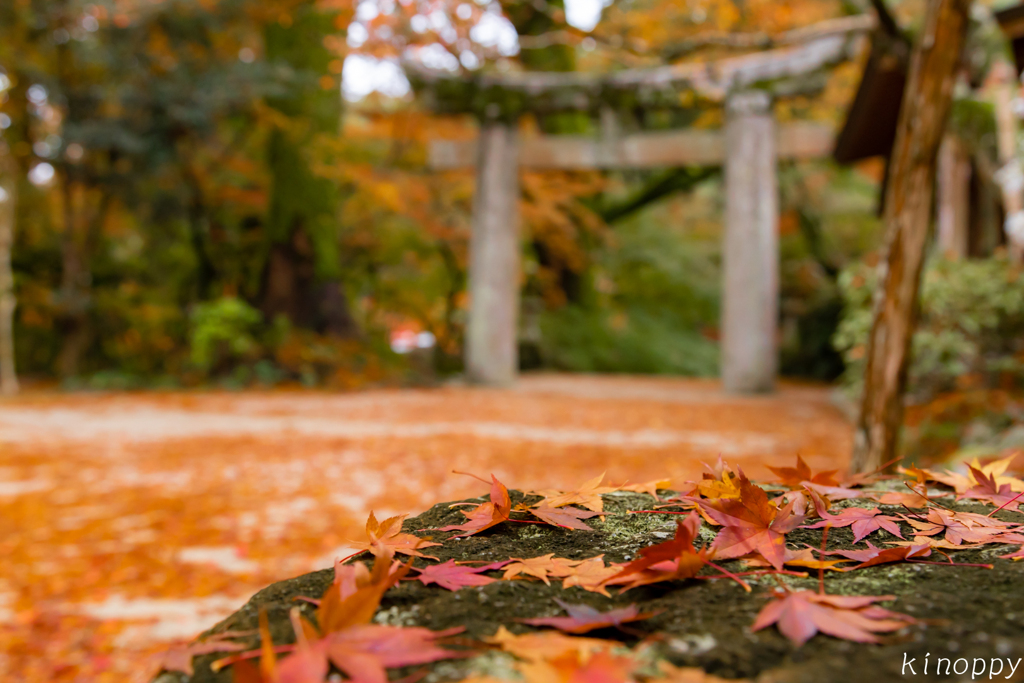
673 559
354 596
587 495
795 476
650 487
389 534
720 482
751 524
543 567
591 575
539 646
801 614
484 516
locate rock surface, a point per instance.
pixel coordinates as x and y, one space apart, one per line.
968 612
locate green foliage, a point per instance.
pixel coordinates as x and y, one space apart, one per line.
971 322
582 340
656 290
223 330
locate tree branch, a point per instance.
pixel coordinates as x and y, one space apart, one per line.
660 185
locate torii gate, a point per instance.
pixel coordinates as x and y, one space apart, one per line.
749 148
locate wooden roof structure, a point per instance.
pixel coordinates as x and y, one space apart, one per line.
870 126
1011 21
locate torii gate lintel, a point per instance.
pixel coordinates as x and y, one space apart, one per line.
749 150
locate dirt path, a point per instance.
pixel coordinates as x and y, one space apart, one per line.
130 520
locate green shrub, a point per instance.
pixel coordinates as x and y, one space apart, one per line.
654 295
587 340
971 322
222 332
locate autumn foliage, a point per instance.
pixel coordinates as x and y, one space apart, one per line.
747 521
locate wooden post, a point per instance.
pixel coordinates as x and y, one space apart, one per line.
907 218
8 207
491 335
751 251
952 195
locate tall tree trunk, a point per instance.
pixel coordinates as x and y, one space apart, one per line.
908 205
8 212
302 278
72 320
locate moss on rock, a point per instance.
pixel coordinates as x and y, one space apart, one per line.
966 612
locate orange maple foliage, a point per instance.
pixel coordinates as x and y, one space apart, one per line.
587 495
484 516
676 559
801 614
591 575
796 476
125 506
543 567
583 618
388 534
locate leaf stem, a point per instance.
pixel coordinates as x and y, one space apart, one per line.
730 575
821 565
470 474
1005 504
242 656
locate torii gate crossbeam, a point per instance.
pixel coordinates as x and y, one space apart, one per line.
749 150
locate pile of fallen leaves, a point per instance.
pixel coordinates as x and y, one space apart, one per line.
741 523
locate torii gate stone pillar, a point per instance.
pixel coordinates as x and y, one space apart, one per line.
750 300
491 334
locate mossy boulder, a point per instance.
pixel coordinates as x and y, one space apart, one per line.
965 612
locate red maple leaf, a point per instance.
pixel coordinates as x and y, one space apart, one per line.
673 560
671 551
583 618
988 490
958 527
484 516
180 658
863 521
364 652
834 492
344 638
751 524
453 576
795 476
871 556
1017 554
567 517
801 614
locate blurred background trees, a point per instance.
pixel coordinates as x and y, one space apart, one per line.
199 200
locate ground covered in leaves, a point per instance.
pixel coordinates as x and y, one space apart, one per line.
957 612
132 521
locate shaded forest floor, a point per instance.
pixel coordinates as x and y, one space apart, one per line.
132 521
